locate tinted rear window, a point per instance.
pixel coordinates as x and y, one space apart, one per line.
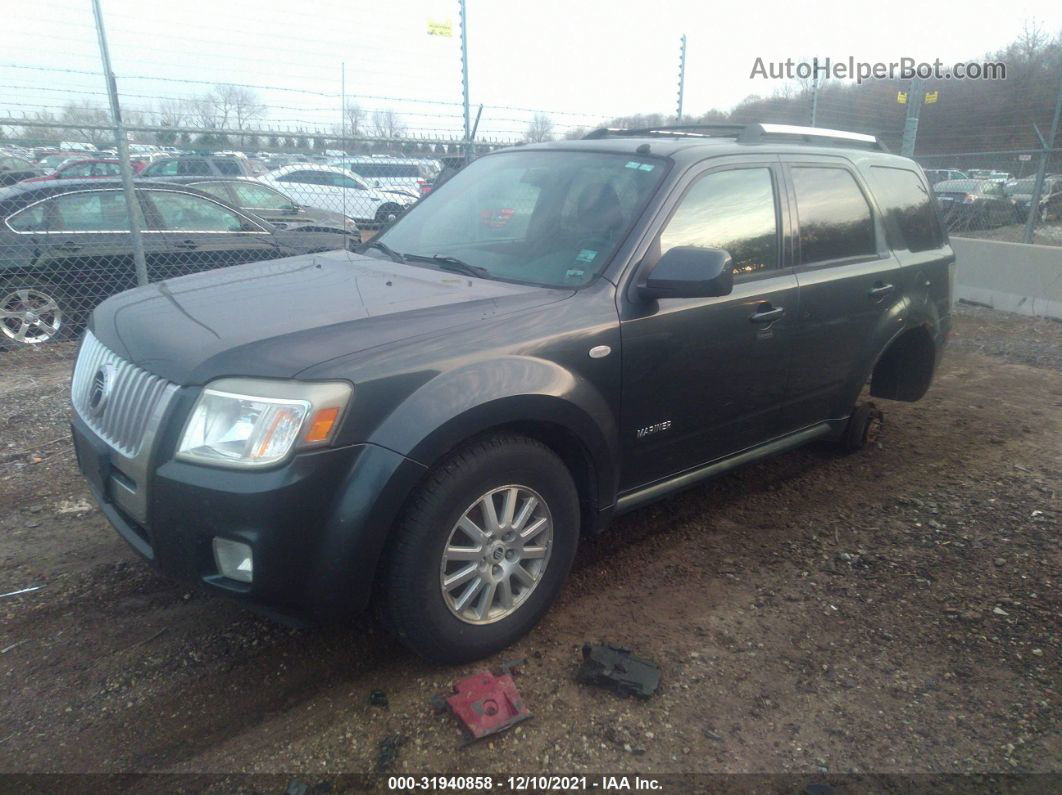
907 207
835 219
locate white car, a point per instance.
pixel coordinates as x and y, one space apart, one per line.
337 189
393 173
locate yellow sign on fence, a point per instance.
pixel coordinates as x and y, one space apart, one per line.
440 28
901 97
932 96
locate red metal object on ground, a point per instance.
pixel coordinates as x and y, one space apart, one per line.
487 704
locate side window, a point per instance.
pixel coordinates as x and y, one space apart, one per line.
305 177
733 210
259 197
227 166
835 219
192 168
167 168
32 219
213 188
905 202
79 170
106 170
96 211
340 181
184 212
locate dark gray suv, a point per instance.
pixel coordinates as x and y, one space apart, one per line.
558 334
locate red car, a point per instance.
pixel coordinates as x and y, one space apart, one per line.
80 169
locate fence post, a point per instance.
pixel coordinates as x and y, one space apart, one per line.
124 167
682 76
464 82
910 125
1038 185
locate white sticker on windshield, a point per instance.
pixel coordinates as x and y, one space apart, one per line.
574 273
646 167
632 164
586 255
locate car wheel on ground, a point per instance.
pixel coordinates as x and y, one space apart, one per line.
864 427
482 550
32 312
387 213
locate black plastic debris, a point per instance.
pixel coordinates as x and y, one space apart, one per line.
378 698
388 754
618 669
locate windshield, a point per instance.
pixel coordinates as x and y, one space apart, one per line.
1021 186
544 217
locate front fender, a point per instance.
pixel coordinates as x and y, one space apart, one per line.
468 400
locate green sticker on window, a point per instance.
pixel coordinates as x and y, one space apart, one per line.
586 255
632 164
646 167
574 273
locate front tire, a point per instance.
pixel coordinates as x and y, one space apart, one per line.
481 551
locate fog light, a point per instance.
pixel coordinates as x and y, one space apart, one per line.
233 560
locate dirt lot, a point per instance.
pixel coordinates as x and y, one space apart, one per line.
896 611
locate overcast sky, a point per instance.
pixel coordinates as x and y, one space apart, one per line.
578 59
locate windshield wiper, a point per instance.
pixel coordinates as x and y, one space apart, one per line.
386 249
453 264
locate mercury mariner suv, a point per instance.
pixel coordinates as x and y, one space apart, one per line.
560 333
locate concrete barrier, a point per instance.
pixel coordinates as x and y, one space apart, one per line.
1013 277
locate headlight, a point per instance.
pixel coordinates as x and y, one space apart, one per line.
245 422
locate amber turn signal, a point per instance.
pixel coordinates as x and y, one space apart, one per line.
320 427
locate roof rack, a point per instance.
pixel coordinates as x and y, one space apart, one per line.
746 134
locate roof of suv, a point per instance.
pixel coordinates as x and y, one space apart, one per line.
694 142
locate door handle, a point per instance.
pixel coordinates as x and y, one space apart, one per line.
69 246
880 290
186 244
767 314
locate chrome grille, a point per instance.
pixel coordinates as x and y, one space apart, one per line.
115 397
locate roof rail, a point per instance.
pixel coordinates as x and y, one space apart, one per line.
747 134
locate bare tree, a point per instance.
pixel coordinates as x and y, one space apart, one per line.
387 124
173 112
240 104
356 118
574 133
540 129
82 117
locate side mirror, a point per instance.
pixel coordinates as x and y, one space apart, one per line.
689 272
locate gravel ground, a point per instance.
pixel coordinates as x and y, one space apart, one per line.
891 612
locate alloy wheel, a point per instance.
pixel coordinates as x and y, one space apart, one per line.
496 554
29 315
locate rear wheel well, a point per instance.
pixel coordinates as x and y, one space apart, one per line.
905 370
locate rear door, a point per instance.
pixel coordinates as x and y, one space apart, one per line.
849 287
201 233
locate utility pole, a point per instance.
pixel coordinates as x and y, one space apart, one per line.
464 81
126 170
910 126
682 75
1038 186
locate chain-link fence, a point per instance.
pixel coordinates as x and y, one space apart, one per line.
230 167
1014 197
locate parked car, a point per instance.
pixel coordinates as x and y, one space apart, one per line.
15 169
433 425
990 174
974 204
1050 206
199 166
393 173
273 206
65 246
83 169
338 190
935 175
50 161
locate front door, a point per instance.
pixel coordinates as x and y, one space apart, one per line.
704 377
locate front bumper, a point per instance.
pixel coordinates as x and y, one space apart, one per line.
317 524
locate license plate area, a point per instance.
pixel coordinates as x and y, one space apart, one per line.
94 461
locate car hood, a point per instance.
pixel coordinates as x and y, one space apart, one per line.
277 318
